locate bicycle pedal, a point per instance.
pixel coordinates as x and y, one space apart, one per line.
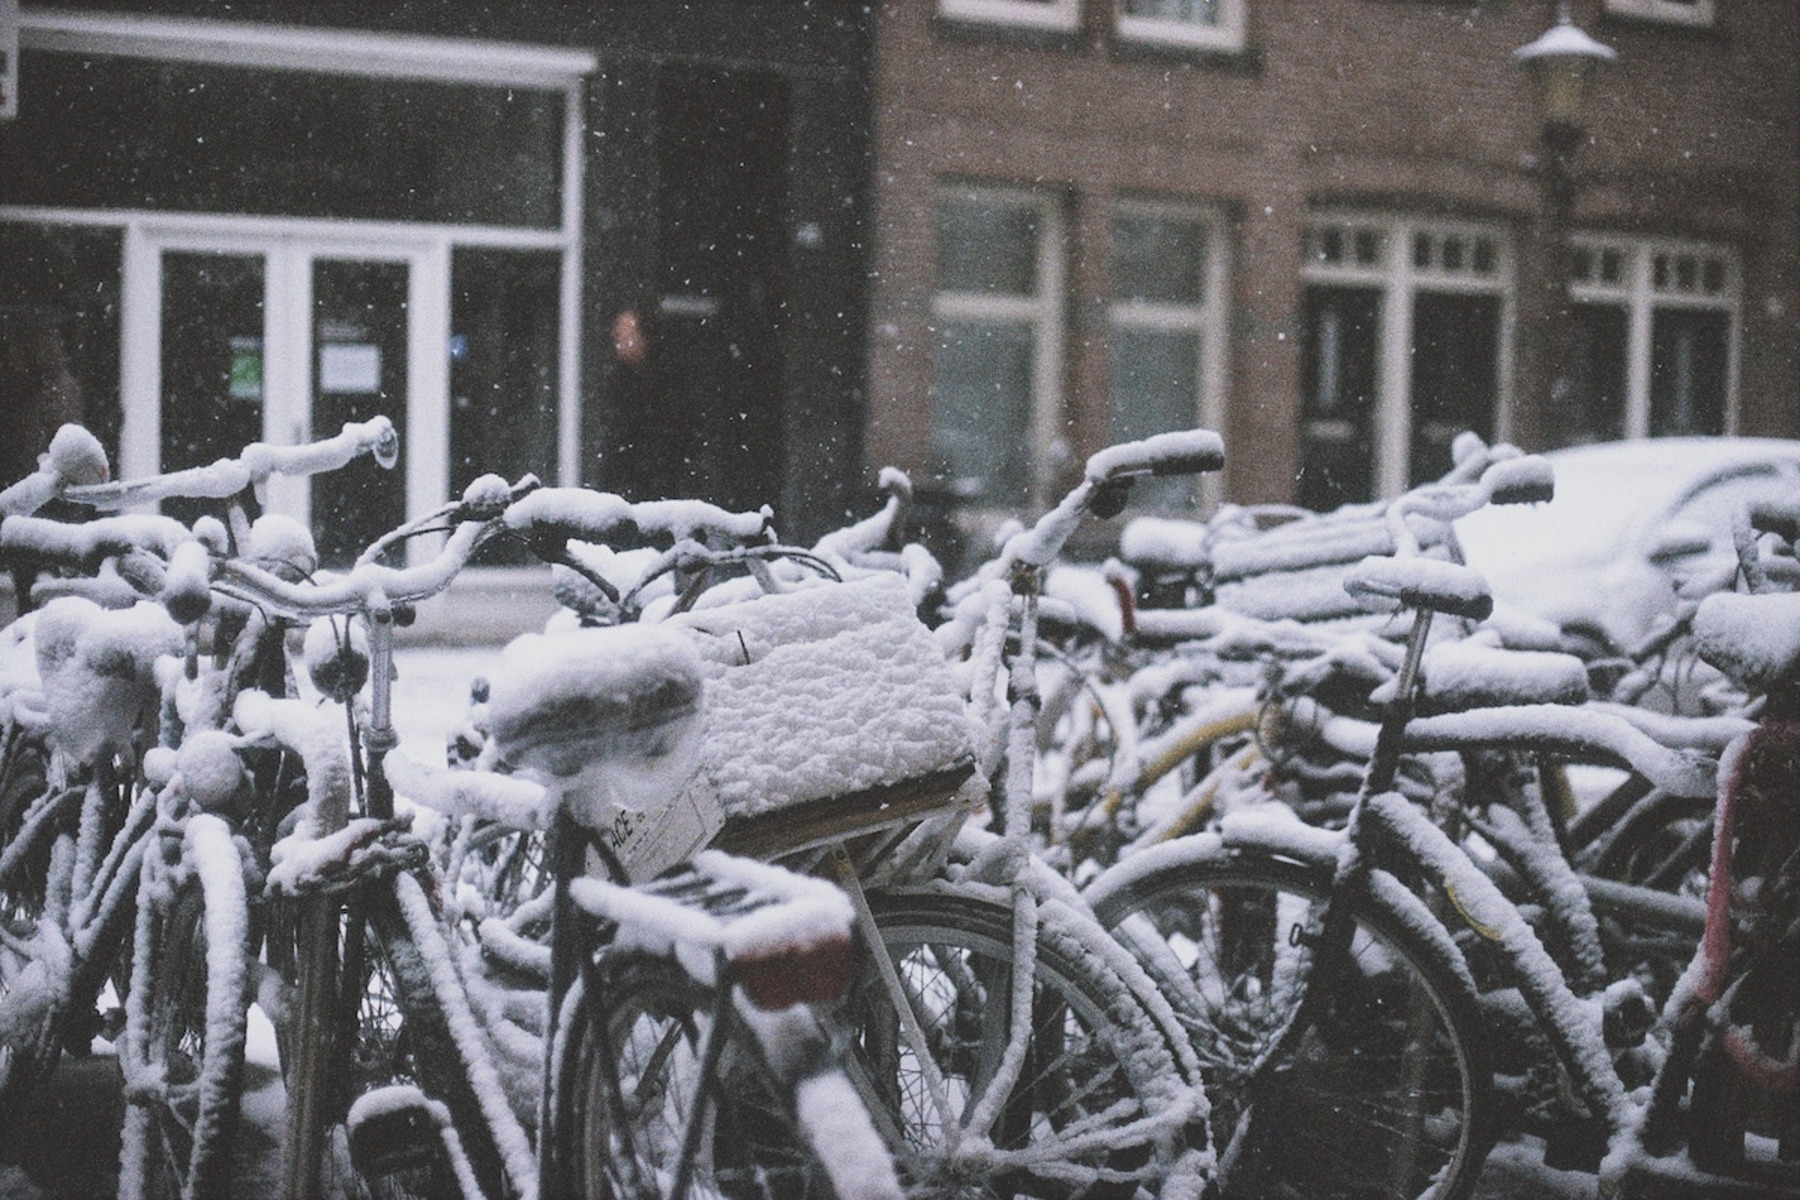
392 1129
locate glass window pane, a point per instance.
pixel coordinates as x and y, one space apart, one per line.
1596 404
102 132
1190 12
503 356
212 347
1159 259
1155 389
981 411
1341 340
1455 375
59 338
1688 358
359 370
987 244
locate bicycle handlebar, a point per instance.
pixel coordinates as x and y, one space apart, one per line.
562 513
1104 486
259 460
75 458
83 544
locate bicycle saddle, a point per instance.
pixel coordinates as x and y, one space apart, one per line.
609 716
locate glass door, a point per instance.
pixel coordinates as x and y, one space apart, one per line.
358 353
231 340
213 333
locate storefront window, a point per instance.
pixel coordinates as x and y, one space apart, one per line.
201 137
59 338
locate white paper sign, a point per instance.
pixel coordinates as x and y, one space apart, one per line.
349 367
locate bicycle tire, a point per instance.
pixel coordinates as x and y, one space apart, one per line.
1228 918
1088 1056
181 1129
391 1028
628 1070
23 779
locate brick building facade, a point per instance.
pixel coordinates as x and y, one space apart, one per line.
1318 226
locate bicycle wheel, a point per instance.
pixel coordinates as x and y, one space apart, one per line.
391 1028
1090 1068
1389 1096
22 894
185 1053
630 1076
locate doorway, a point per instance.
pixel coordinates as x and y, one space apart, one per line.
230 340
717 431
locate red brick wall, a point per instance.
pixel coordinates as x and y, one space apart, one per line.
1400 105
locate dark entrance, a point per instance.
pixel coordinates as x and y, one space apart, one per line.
716 425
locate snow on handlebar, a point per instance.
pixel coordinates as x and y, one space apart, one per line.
599 516
1184 452
1102 489
74 459
1385 584
259 460
85 544
370 586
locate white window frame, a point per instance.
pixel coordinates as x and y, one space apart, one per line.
1227 34
1060 16
1400 281
1042 312
1638 293
426 246
1698 15
1207 318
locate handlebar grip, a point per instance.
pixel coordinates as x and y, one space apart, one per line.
1382 584
1183 452
1780 517
187 586
1526 480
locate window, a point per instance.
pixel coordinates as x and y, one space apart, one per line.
1060 15
223 138
1167 330
1205 24
1401 350
59 337
997 324
1672 12
1655 327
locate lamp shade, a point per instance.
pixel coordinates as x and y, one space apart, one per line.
1561 61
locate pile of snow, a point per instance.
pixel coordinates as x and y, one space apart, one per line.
821 692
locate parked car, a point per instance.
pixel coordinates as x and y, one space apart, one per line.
1630 523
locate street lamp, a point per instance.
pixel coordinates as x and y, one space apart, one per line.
1560 62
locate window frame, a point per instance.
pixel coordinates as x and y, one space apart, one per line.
1637 292
1042 313
1226 36
1207 318
1394 273
1699 15
1054 16
363 54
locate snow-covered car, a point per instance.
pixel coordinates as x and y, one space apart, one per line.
1631 522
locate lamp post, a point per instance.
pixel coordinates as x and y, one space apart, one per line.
1560 63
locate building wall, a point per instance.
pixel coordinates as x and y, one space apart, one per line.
811 58
1381 104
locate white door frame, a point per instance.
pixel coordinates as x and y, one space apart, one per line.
289 255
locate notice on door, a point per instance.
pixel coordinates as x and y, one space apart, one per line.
349 367
246 373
